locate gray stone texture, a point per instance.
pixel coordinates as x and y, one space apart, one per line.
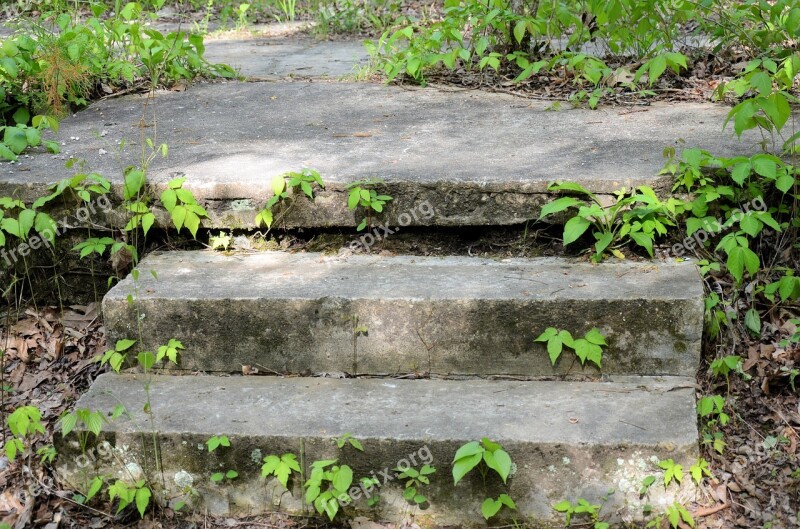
451 315
475 157
279 57
567 440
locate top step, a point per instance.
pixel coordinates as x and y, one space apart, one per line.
471 157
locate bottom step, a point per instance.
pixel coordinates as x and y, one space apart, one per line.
567 440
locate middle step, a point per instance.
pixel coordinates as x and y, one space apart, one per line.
300 313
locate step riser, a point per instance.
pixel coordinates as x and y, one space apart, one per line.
293 313
435 204
438 204
550 473
470 337
578 441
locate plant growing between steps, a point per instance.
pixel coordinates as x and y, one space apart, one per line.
368 484
485 455
327 486
362 194
285 188
221 241
639 216
218 477
590 347
182 206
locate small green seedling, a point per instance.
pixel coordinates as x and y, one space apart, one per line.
327 487
362 194
215 441
24 421
590 347
285 187
126 495
672 471
280 467
415 479
221 241
700 470
348 439
218 477
581 508
485 455
370 483
676 514
116 357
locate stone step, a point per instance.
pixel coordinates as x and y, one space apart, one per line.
448 158
293 313
567 440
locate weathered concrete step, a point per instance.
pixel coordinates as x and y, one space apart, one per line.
469 157
567 440
450 315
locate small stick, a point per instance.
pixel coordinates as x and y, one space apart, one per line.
708 511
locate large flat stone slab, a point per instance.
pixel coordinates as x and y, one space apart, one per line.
567 440
293 313
476 158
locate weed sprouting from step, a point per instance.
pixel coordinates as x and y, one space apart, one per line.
286 188
221 241
217 441
362 194
281 467
590 347
639 217
328 486
348 439
415 481
139 493
485 455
